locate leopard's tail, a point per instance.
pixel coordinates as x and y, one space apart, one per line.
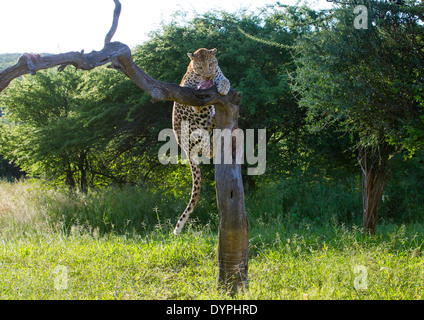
195 173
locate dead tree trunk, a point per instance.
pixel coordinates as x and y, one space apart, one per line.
233 236
373 161
233 227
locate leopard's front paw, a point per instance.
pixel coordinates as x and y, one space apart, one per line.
223 87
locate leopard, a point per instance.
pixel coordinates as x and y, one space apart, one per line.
193 125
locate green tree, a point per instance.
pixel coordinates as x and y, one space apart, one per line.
370 82
8 59
260 71
39 132
62 126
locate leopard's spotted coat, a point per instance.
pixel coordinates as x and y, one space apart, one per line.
186 120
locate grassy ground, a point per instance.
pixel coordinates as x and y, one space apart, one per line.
118 244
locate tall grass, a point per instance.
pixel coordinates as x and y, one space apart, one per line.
20 209
118 244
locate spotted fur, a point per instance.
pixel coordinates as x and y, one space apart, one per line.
203 67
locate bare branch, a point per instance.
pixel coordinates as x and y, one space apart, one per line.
119 55
112 30
80 60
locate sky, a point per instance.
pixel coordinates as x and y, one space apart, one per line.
54 26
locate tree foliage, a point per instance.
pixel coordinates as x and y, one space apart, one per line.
64 126
8 59
369 82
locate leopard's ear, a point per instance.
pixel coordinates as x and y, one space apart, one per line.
190 55
213 51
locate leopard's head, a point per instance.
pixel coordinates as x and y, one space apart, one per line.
204 62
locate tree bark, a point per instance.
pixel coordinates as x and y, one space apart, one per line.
82 166
69 180
373 161
233 234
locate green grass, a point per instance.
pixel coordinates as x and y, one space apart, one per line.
118 244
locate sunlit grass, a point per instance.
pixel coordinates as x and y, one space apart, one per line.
48 251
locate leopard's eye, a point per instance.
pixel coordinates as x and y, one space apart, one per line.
195 70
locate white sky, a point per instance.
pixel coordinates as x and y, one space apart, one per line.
56 26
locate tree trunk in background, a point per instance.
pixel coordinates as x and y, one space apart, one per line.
82 166
69 180
373 161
